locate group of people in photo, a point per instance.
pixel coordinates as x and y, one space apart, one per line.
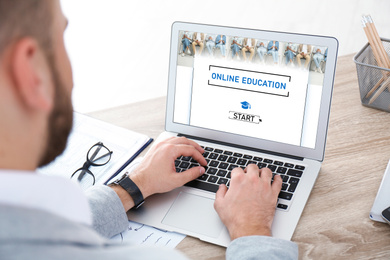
254 50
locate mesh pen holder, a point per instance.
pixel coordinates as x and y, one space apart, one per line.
371 78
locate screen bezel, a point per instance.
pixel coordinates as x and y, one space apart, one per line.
318 152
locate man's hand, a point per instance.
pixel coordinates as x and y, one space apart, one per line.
248 207
157 172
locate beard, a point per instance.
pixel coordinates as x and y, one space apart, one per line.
60 120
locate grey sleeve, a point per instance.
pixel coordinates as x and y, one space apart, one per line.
109 216
261 247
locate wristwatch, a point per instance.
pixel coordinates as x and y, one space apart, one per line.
126 183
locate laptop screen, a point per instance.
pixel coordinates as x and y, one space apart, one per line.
263 88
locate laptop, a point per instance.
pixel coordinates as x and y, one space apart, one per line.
245 99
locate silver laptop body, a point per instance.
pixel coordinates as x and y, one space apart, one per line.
262 108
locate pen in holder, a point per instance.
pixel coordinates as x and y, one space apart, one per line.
373 68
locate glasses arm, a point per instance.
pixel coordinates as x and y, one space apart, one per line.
104 155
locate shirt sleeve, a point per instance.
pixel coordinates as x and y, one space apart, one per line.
108 214
261 247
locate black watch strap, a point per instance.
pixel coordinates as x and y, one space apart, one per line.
126 183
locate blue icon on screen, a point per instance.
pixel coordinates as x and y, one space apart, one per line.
245 105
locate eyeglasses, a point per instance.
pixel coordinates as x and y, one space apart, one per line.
98 155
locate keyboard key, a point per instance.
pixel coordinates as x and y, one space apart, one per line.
177 162
212 171
282 206
232 160
251 162
259 159
237 154
218 151
222 158
246 156
209 149
213 156
281 170
203 185
299 167
184 165
222 181
278 163
272 167
242 162
212 179
186 158
232 166
293 180
292 187
213 164
261 165
223 165
267 161
284 178
285 195
203 177
222 173
295 173
289 165
228 152
205 154
284 186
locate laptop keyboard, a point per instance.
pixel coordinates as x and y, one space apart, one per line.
220 163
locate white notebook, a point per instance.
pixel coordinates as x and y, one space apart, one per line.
87 131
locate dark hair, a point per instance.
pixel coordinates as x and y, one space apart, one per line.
26 18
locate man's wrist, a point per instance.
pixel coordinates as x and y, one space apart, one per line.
141 183
124 196
250 232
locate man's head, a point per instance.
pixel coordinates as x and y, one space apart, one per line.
35 83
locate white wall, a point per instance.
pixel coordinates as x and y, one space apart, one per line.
119 48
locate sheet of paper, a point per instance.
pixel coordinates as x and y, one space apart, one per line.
140 234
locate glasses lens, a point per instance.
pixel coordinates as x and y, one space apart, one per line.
99 155
84 176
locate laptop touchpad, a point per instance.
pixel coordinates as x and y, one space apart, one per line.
194 213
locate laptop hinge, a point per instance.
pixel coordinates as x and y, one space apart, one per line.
242 147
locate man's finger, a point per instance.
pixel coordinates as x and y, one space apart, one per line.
252 169
265 175
189 150
186 141
277 185
191 174
219 195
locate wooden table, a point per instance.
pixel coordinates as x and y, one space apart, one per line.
335 222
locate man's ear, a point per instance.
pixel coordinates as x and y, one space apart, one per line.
31 75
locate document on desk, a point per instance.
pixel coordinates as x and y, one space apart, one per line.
140 234
87 131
